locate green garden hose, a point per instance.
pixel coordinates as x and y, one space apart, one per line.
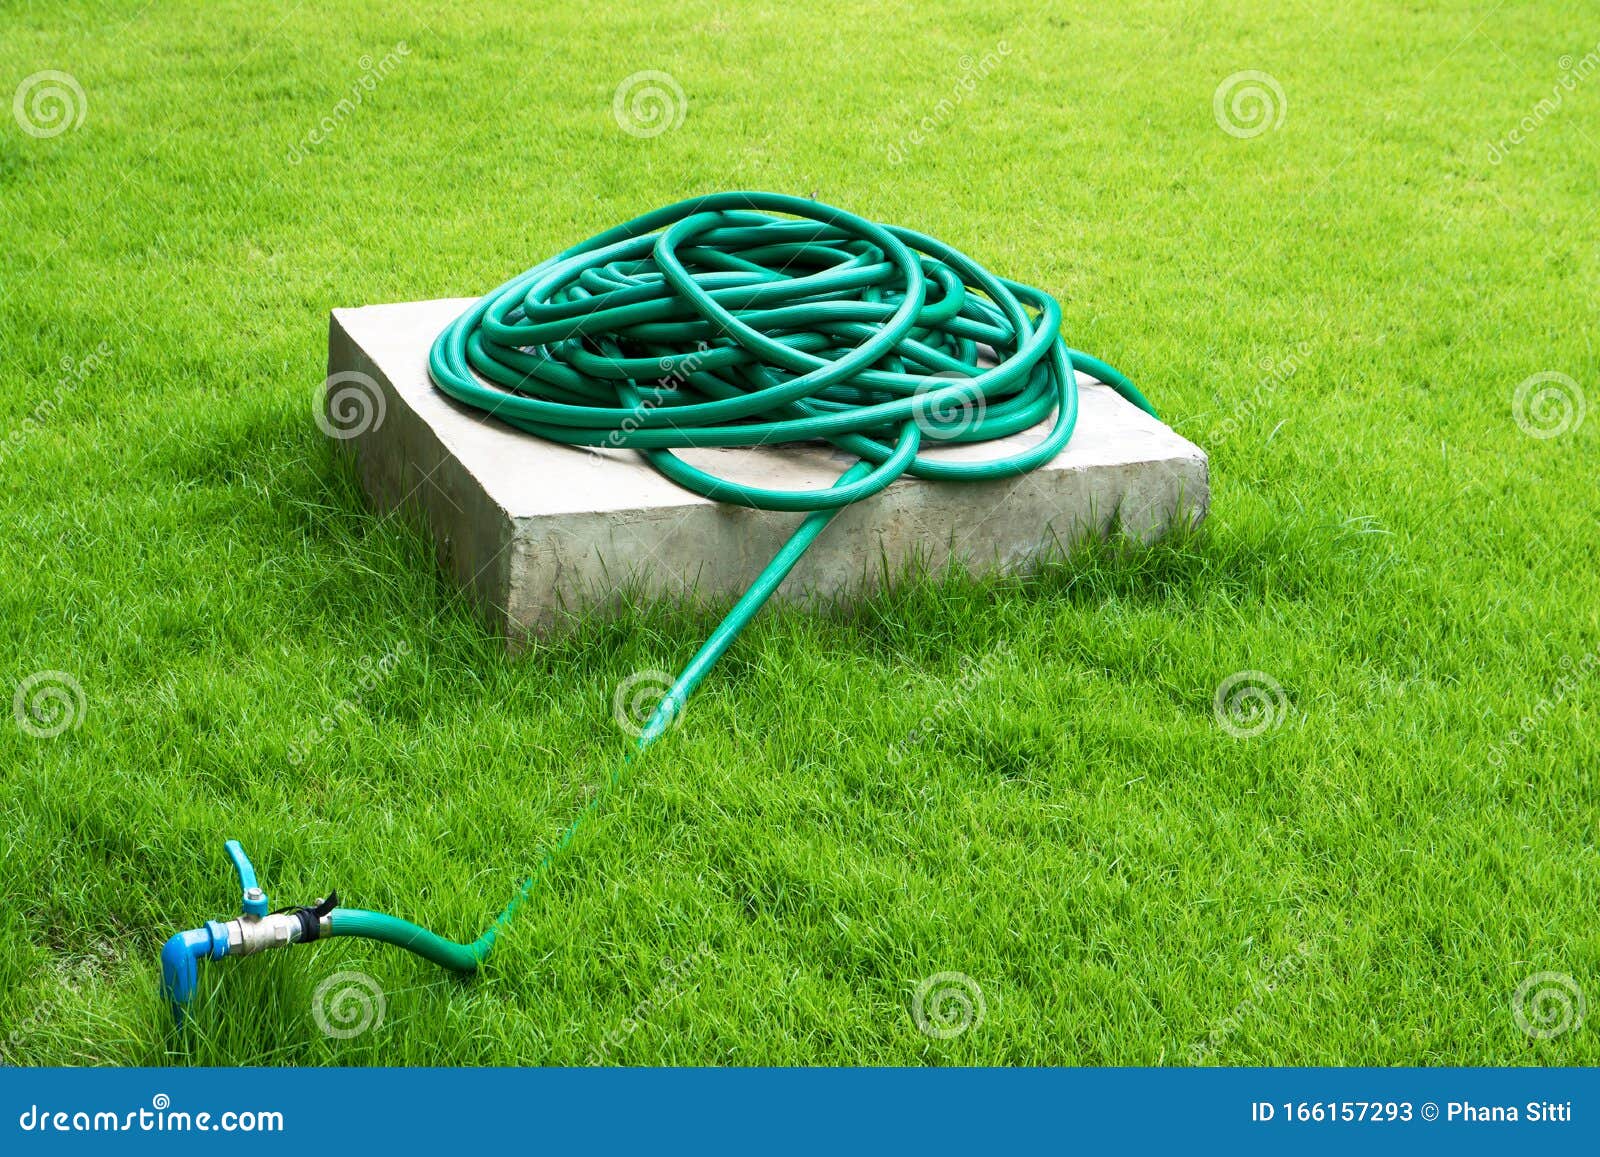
748 319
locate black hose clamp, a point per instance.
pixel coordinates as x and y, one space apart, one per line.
311 918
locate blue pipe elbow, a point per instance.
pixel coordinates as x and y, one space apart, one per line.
180 959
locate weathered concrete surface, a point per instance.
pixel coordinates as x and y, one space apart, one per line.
538 530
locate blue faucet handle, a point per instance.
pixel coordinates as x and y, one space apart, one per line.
255 900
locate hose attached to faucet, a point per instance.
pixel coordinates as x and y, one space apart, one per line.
749 319
467 957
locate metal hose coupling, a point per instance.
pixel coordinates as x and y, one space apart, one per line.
254 930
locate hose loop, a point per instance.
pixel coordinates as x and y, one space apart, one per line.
748 319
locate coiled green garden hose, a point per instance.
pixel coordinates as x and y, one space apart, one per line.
748 319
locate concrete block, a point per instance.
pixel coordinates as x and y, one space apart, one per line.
537 531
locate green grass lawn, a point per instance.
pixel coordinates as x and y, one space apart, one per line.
1339 308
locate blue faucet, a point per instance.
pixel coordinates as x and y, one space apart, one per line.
253 930
180 958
